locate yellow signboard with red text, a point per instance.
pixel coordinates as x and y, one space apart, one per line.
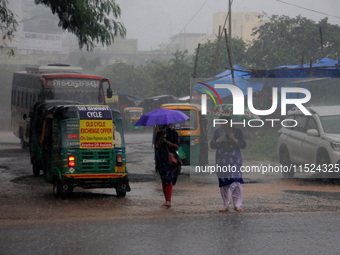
95 126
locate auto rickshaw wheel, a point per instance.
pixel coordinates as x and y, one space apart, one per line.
58 189
121 193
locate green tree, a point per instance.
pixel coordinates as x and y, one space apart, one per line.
8 23
129 79
89 20
330 39
172 77
208 66
89 65
285 41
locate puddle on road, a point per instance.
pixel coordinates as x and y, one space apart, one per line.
31 180
320 194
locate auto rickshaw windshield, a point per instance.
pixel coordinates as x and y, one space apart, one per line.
190 124
135 113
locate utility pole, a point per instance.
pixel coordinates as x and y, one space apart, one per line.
230 58
321 41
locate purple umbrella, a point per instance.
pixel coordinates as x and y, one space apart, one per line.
161 117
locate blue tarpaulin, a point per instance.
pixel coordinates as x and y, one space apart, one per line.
324 68
289 75
242 80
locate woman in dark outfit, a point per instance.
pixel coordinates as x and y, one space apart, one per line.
228 141
166 140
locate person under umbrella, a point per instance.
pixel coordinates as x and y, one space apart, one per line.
228 141
166 141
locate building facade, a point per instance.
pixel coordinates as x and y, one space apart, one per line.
242 24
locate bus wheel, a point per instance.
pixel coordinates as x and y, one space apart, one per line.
36 169
120 193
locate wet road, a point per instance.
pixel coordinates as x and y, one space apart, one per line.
281 216
238 234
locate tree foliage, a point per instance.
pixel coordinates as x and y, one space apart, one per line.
159 78
172 77
285 41
281 41
89 64
208 66
88 20
129 79
8 23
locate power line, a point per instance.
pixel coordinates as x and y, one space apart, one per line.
194 16
187 24
308 9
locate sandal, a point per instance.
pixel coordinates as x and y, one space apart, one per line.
166 205
238 209
224 209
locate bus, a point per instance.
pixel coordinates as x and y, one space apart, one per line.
56 82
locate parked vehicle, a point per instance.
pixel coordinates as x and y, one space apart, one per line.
193 148
131 116
314 143
35 130
79 145
52 82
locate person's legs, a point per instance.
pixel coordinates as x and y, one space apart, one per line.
225 196
237 195
167 190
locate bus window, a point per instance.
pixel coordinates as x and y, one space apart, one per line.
21 99
27 100
15 100
50 82
13 97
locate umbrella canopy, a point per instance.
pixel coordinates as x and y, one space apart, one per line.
161 117
226 110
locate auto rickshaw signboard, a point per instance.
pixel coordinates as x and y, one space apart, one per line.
95 127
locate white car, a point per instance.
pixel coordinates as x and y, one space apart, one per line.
313 145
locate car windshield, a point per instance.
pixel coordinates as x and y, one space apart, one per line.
331 124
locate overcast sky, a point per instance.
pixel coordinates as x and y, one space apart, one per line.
152 22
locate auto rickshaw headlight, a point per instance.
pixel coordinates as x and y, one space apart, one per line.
71 161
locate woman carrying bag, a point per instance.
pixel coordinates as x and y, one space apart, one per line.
167 143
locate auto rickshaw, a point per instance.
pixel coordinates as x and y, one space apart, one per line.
131 116
35 122
81 145
193 149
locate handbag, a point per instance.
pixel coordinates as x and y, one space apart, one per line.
172 159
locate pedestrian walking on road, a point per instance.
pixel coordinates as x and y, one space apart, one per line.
166 141
228 141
